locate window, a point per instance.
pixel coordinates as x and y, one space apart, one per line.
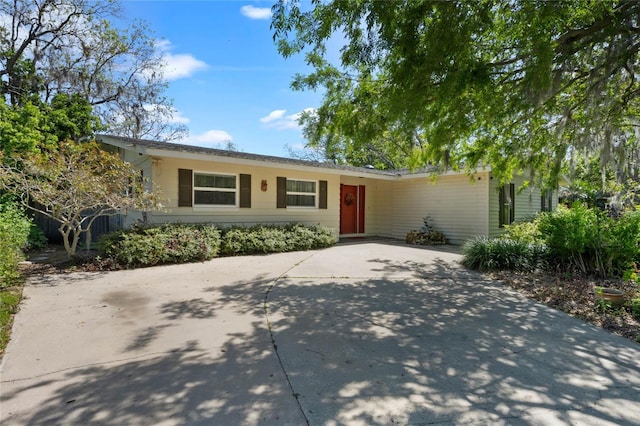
506 201
301 193
214 190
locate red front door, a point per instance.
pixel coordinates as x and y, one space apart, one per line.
351 209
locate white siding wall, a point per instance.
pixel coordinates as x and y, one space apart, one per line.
458 206
263 204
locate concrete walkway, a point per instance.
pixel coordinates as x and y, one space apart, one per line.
360 334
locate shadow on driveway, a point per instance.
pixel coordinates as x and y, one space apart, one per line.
421 340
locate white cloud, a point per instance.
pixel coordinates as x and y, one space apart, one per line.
253 12
180 65
279 121
209 139
273 115
167 113
177 117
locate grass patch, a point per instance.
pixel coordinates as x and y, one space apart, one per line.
9 301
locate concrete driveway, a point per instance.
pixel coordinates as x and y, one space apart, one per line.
364 333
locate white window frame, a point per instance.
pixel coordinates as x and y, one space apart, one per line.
316 194
213 189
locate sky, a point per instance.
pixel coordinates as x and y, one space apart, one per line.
226 78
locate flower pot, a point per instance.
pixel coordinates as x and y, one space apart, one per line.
611 295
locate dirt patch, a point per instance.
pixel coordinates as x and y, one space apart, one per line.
54 260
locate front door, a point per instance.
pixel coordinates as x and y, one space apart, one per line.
351 209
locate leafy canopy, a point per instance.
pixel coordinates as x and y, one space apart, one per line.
519 84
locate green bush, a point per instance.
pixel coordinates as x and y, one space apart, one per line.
14 234
262 239
171 243
36 240
574 237
496 254
526 232
179 243
622 244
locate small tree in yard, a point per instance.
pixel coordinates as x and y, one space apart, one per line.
76 184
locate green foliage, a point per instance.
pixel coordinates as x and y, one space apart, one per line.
496 254
622 243
179 243
574 237
171 243
14 234
585 239
23 129
75 184
635 307
9 301
37 240
527 231
518 84
261 239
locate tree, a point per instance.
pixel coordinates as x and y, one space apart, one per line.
75 184
519 84
33 126
53 47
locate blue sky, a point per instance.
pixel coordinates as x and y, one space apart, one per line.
226 78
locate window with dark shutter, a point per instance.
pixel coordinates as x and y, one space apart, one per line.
185 188
245 191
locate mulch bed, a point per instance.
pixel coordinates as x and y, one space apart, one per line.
575 296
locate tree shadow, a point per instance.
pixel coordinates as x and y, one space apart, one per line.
185 386
445 345
426 342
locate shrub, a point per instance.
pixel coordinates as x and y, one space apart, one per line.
170 243
262 239
36 240
14 234
495 254
257 239
622 248
526 232
427 235
574 237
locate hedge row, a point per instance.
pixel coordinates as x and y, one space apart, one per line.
180 243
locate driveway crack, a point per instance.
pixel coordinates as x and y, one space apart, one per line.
265 307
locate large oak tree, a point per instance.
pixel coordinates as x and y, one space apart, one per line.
520 84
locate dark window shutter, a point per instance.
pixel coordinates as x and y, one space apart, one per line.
281 201
185 188
322 203
501 206
512 203
245 191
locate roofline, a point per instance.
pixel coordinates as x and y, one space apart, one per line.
190 152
